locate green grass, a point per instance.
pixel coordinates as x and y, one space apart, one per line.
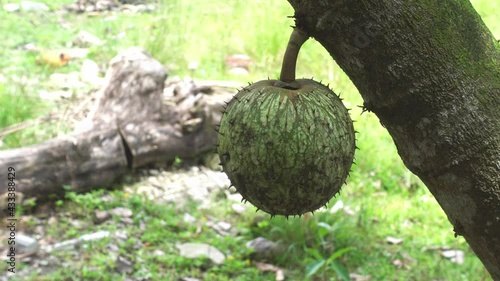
386 199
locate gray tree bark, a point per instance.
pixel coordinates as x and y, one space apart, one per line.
430 71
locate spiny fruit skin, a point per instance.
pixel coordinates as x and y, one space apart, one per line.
288 148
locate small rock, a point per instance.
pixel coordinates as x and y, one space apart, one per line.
28 6
40 231
158 253
222 228
123 265
188 218
86 39
66 81
359 277
238 61
239 208
52 220
89 73
77 224
224 225
121 212
189 279
349 211
239 71
127 220
339 205
455 256
238 64
393 240
62 246
154 172
211 161
70 244
264 249
94 236
77 53
196 250
201 193
100 216
55 95
107 198
398 263
234 197
26 244
193 65
113 247
31 47
122 235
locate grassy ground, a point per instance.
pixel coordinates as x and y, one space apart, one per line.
385 198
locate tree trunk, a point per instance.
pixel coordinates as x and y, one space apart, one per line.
430 70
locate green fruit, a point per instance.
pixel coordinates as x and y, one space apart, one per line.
286 147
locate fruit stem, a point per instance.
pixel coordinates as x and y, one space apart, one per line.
297 38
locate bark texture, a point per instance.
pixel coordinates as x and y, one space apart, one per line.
430 70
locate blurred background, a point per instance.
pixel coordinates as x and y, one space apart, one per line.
385 225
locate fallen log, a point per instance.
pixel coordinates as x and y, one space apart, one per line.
135 122
82 162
